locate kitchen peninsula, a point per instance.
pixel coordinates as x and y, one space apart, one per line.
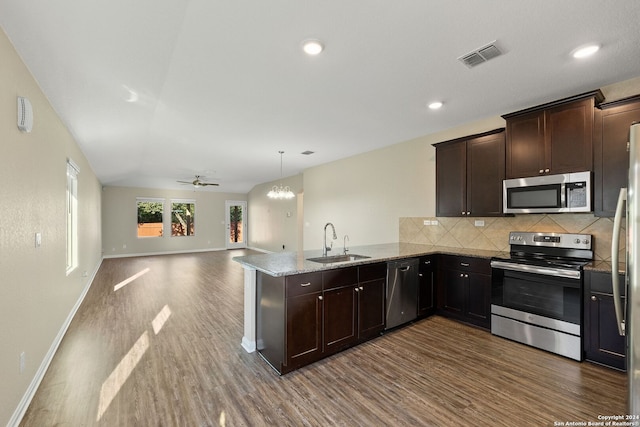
366 263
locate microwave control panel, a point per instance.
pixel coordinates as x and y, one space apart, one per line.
576 194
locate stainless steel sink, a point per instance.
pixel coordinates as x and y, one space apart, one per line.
337 258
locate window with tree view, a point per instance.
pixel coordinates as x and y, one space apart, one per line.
150 217
183 214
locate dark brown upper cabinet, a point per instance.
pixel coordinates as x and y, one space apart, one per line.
469 175
552 138
610 155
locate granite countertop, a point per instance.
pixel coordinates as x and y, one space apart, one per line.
289 263
603 266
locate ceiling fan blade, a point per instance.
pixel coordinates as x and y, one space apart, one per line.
185 182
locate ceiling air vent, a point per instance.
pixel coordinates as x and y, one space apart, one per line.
480 55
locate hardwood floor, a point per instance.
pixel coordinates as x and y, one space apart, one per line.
164 350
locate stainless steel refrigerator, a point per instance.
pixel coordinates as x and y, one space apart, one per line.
628 310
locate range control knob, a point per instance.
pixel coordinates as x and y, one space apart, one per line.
577 241
585 241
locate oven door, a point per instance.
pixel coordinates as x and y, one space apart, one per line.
551 296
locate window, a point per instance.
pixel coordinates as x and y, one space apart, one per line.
150 217
183 215
72 215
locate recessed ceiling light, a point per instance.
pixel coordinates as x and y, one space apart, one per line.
435 105
585 51
312 47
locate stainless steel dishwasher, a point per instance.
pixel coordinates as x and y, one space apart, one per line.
402 292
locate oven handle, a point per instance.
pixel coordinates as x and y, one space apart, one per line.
615 247
571 274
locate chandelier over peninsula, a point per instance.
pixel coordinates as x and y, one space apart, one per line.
278 191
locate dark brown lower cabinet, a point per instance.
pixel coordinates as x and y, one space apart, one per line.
426 286
602 342
303 318
304 329
464 289
339 325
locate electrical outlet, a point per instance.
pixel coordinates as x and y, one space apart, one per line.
38 239
426 222
479 223
434 222
23 361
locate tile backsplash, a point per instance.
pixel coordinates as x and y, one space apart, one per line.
492 233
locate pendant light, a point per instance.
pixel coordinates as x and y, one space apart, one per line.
280 192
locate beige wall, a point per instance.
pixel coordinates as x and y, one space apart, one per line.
273 223
36 294
364 196
119 221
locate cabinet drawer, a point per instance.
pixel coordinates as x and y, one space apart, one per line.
301 284
601 282
426 263
372 272
478 265
340 277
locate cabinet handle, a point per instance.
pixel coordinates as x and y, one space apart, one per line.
361 288
546 171
427 262
320 297
594 298
356 289
466 275
468 213
461 275
420 274
464 264
541 171
305 284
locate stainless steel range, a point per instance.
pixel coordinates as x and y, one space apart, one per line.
537 291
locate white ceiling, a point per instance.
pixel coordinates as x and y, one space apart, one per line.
160 90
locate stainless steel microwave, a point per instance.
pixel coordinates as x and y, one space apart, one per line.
570 192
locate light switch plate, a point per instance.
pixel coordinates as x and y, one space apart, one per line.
38 239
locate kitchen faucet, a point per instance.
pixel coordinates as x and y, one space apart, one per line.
326 248
344 243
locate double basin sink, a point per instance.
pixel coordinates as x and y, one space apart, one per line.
337 258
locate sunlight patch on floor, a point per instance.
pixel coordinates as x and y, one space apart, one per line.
130 279
160 319
112 385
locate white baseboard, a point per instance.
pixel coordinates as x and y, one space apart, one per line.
15 419
187 251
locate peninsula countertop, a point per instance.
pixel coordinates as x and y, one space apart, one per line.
289 263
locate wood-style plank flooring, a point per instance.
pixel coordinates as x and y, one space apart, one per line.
164 350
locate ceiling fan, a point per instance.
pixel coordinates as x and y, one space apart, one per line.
198 183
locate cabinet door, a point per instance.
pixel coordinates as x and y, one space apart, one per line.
485 173
371 300
569 135
451 179
525 148
454 292
479 305
339 310
426 291
611 158
606 345
304 329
